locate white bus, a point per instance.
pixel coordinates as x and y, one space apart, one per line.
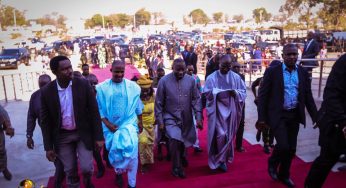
270 35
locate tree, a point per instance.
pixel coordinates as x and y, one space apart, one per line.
97 19
123 20
159 18
199 17
7 16
260 15
46 20
238 18
61 21
333 14
301 7
120 20
143 17
217 17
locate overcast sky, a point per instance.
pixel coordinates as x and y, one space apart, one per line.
76 10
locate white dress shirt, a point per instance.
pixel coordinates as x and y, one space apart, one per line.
66 107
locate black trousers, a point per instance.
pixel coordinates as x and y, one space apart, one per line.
286 142
330 153
240 131
59 173
267 137
177 150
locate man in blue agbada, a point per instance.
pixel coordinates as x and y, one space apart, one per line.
121 113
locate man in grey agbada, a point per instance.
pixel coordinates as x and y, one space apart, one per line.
176 102
225 92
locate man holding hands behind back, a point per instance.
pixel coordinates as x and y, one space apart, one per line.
283 96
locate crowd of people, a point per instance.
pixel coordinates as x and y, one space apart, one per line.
124 119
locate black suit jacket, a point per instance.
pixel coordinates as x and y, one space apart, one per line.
193 61
332 115
271 96
311 52
87 117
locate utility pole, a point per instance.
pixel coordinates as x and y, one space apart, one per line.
103 22
134 20
14 18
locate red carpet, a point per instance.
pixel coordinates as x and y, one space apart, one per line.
249 170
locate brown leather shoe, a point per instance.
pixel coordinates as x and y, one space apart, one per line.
7 174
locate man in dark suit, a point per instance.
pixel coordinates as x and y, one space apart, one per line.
283 96
70 122
332 123
311 50
186 54
193 58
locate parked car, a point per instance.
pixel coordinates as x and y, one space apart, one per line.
138 42
57 44
115 40
11 58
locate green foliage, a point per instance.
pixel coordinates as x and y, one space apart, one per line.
232 29
217 17
293 26
15 35
143 17
119 20
7 16
260 15
218 30
53 19
332 13
238 18
199 17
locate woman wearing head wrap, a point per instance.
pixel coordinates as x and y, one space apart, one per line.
147 137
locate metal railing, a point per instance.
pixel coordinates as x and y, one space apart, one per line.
320 69
323 69
15 84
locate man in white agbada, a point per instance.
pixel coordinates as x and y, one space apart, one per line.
121 113
225 92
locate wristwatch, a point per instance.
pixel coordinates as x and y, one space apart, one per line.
28 136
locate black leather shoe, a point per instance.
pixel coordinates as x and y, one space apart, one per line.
240 149
184 162
7 174
223 167
266 149
198 150
258 136
272 171
182 174
119 180
287 181
100 173
87 180
175 172
179 173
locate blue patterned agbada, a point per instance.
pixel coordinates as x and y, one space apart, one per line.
120 104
